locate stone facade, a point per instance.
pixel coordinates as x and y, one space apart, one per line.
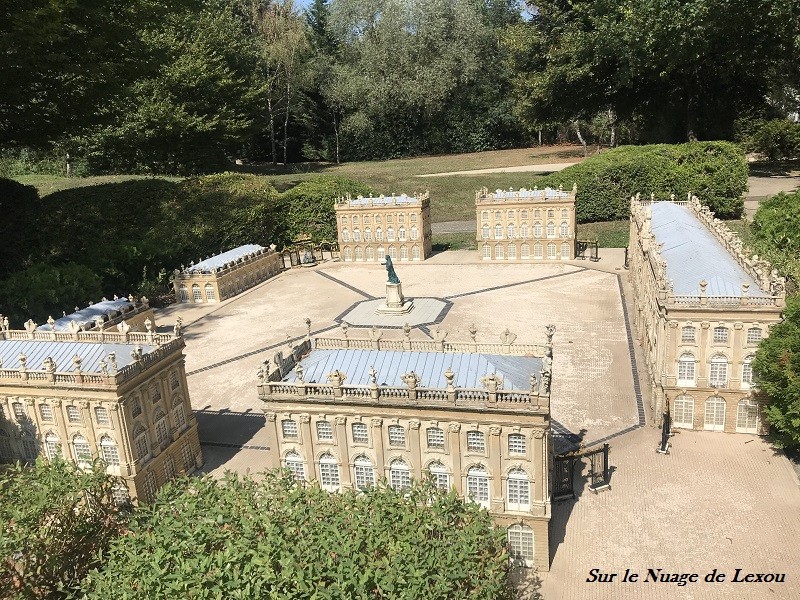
698 345
223 276
526 225
487 438
121 397
369 229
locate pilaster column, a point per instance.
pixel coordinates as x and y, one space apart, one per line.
539 445
344 452
454 449
702 370
377 438
308 441
274 454
496 468
415 448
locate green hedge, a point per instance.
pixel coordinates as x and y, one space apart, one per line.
309 206
19 212
777 139
775 234
714 171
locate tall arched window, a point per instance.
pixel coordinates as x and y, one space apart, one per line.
498 251
393 252
478 485
399 475
403 253
537 230
686 370
356 235
210 295
551 251
328 472
486 251
537 250
162 434
390 233
565 251
498 232
401 232
510 230
359 253
83 455
747 372
718 372
485 232
197 295
512 251
52 446
183 293
294 463
178 414
564 229
380 253
440 476
364 473
414 232
747 416
140 440
415 253
525 250
109 451
370 253
715 414
367 234
345 235
524 231
683 412
520 543
348 253
519 490
551 229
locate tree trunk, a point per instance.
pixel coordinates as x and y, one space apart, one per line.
612 117
272 131
540 137
580 138
286 122
336 135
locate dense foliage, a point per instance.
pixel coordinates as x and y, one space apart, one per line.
776 370
715 171
241 538
775 234
309 206
776 139
55 520
76 245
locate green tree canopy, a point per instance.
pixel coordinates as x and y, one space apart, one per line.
776 371
242 538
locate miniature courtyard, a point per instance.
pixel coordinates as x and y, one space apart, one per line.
728 493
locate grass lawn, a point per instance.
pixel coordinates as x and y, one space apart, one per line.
609 234
452 196
454 241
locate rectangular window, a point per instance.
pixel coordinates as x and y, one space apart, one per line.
512 251
435 437
686 370
753 335
400 479
365 476
719 374
73 414
720 335
174 382
46 411
19 410
329 475
110 454
478 489
516 444
397 436
101 416
688 335
520 542
537 251
297 469
150 487
441 480
475 441
188 459
747 374
360 435
83 455
289 428
324 431
519 492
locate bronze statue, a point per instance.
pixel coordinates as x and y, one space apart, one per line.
393 278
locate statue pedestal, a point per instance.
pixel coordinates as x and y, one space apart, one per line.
395 303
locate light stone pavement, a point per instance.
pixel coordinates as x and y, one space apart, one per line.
674 512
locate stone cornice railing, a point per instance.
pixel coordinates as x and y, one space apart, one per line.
183 274
484 196
109 377
760 270
382 201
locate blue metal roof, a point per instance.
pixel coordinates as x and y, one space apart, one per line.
62 352
108 309
220 260
430 366
693 254
401 199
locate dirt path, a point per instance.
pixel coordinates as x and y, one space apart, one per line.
546 168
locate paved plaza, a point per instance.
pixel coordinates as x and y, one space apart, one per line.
717 500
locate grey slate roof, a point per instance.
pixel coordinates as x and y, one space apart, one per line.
220 260
401 199
430 366
62 352
525 193
693 254
107 309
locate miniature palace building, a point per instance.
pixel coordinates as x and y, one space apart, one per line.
702 307
105 315
117 396
529 225
473 417
224 275
369 229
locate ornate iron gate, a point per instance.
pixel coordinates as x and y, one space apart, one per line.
563 476
599 477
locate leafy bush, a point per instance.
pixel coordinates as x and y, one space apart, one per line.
775 233
55 519
778 139
776 370
309 206
714 171
239 538
26 161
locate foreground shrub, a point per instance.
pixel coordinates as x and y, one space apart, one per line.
239 538
714 171
775 234
55 519
777 139
19 212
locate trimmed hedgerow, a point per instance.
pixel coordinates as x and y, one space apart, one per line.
716 172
